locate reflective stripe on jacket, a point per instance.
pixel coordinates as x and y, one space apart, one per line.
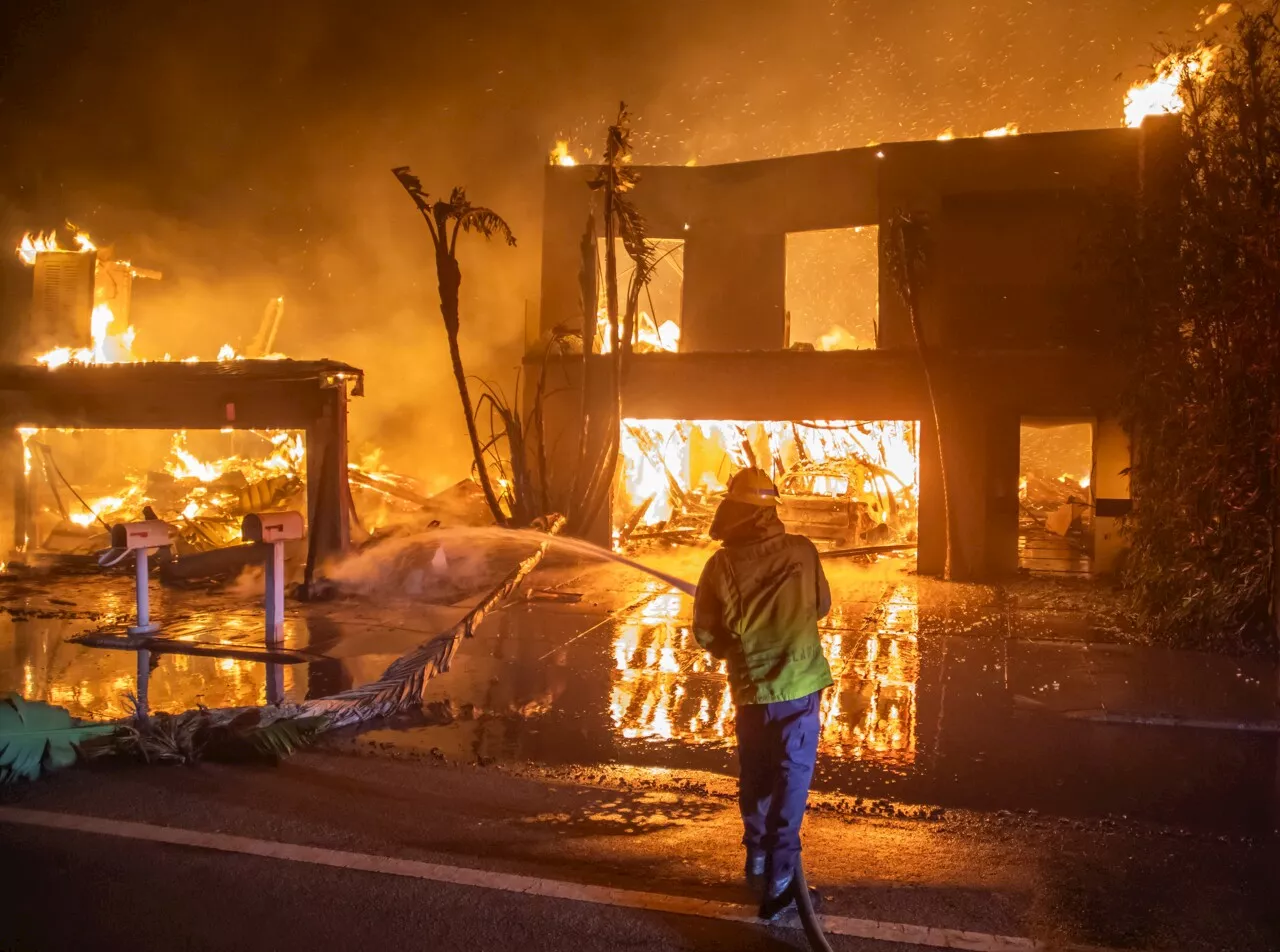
757 606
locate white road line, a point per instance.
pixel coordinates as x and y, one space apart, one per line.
526 885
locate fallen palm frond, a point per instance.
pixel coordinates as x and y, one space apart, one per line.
400 686
239 734
36 737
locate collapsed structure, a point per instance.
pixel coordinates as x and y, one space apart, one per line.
741 363
71 382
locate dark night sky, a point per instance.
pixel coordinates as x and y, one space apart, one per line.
244 148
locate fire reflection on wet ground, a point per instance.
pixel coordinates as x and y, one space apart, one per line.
666 688
944 694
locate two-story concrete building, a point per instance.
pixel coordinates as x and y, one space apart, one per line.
1013 304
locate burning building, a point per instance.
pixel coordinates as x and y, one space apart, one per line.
775 334
101 435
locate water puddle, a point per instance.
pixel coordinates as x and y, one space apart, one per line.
939 697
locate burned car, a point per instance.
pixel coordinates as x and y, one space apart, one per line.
844 506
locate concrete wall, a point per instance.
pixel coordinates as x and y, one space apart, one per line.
1110 481
1013 302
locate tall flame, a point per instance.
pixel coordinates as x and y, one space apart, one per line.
560 154
30 246
651 337
106 347
1163 93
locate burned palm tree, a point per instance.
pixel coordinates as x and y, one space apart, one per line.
446 220
622 222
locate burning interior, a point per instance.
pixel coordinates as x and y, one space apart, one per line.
79 482
845 484
104 432
1055 495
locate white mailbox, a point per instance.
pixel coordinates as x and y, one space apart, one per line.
138 538
274 529
284 526
132 536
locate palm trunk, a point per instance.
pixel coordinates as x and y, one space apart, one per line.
448 281
460 377
907 251
604 464
589 297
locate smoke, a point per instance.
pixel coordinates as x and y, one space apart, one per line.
246 154
423 567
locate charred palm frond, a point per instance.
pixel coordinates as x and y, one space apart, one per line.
236 734
400 686
622 221
162 738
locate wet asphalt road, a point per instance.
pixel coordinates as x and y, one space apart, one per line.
93 892
1114 885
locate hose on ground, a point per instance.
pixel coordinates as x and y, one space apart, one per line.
808 917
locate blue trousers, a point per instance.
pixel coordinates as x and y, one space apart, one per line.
777 750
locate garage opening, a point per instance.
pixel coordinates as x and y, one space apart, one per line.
842 483
1055 496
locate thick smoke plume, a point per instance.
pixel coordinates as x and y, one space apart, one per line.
245 149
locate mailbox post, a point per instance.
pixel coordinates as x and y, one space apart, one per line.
138 538
274 529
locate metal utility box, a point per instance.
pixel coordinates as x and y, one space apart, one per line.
61 301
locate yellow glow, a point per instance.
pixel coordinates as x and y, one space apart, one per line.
651 337
663 460
664 689
1162 94
560 154
30 246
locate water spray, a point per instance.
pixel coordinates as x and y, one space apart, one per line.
579 546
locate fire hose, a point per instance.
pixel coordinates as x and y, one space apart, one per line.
808 916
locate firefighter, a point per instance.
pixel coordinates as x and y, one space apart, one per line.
757 607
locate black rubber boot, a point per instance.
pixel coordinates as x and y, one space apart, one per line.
779 900
776 899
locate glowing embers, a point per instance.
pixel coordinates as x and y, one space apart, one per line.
841 482
832 289
665 688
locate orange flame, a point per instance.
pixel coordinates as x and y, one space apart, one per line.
1162 94
651 337
30 246
560 154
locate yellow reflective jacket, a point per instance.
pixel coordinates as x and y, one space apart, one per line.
757 606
